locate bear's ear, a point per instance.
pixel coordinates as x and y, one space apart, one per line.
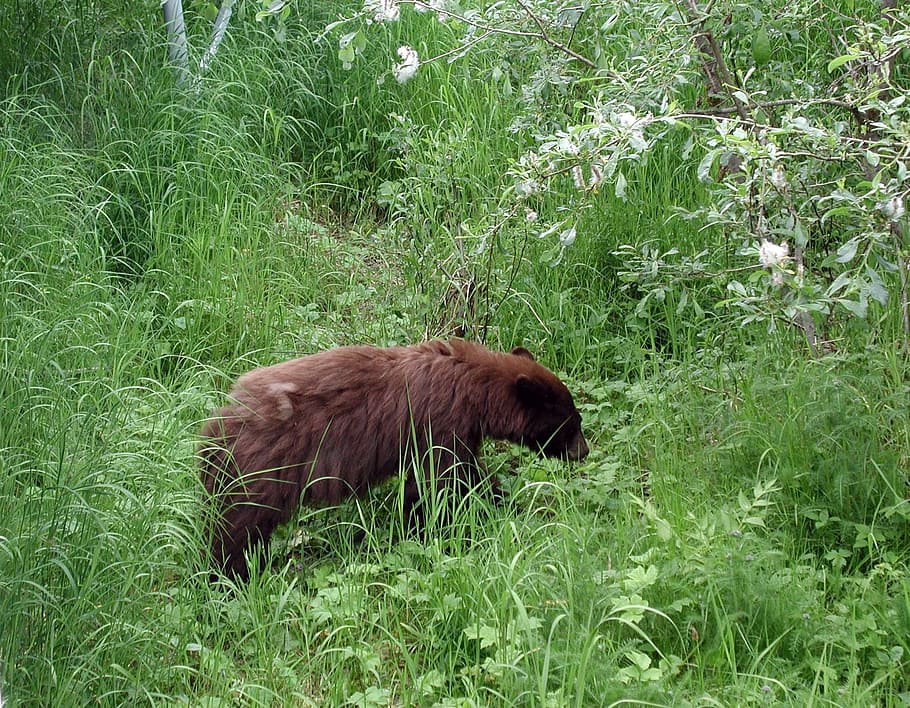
522 352
530 390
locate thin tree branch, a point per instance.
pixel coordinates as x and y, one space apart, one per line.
719 78
730 110
457 50
541 35
544 35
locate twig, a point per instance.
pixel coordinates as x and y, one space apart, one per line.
729 110
542 34
457 50
713 64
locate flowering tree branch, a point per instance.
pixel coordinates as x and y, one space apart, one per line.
545 37
541 35
819 205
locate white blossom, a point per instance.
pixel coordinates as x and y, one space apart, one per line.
530 160
893 208
578 177
382 10
777 178
770 254
530 215
567 146
633 127
626 119
408 67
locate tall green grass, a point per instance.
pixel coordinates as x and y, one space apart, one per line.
738 535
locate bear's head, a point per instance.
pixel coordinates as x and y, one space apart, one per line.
553 423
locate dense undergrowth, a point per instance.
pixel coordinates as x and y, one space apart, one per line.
738 536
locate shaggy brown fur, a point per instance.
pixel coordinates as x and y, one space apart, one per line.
323 427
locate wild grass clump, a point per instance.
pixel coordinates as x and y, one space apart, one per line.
829 437
767 539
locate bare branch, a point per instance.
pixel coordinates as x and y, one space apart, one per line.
719 79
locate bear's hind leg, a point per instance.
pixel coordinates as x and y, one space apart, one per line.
247 524
232 543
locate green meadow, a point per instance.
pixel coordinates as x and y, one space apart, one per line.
739 534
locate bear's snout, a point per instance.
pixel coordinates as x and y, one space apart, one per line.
578 448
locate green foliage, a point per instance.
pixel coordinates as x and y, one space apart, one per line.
785 168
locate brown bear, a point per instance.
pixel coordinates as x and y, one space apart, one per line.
323 427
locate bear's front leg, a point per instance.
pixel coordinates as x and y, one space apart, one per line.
446 484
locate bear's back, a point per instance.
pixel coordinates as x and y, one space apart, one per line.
337 381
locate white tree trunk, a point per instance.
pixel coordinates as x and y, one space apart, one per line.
176 38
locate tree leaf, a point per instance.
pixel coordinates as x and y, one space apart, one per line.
761 47
846 252
841 60
878 292
683 300
857 308
839 283
620 186
704 167
800 237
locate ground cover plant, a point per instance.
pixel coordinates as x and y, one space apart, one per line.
739 533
